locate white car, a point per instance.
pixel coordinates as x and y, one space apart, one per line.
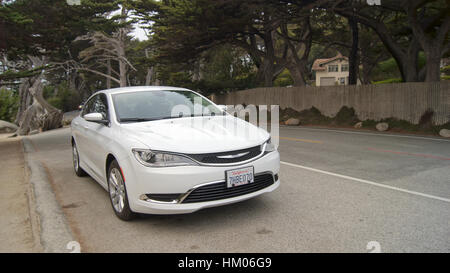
167 150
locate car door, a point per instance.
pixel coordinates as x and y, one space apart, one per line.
98 137
80 133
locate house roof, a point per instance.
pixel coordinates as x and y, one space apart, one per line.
319 63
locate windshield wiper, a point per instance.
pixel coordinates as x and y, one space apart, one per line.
207 115
144 119
168 117
136 119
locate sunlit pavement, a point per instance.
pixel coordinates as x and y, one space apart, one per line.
340 190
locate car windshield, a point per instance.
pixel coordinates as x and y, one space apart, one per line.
156 105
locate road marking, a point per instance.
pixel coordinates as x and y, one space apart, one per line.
363 133
368 182
302 140
411 154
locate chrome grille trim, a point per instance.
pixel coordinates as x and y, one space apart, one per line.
185 195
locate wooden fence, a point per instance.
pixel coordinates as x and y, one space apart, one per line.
406 101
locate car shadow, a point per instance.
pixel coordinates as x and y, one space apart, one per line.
241 211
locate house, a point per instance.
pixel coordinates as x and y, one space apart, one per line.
332 71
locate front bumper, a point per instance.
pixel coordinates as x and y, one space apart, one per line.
141 180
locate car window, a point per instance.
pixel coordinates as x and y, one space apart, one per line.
87 108
100 105
97 104
161 104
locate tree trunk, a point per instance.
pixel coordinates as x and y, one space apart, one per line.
265 73
34 112
148 77
433 68
122 68
40 115
297 51
409 66
353 58
432 45
150 70
108 80
25 99
406 58
297 73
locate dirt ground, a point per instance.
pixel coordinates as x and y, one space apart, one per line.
16 233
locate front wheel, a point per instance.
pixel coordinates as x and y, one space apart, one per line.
76 162
118 193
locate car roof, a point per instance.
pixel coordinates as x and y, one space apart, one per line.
141 88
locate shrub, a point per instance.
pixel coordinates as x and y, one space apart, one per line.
426 120
9 103
62 97
310 116
346 116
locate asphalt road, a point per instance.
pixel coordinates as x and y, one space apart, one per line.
340 190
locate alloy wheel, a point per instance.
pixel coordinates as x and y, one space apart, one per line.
75 158
117 190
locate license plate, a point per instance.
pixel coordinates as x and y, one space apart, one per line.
240 177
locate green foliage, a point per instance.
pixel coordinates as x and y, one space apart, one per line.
284 79
33 25
180 78
395 80
61 97
225 68
446 70
386 70
8 104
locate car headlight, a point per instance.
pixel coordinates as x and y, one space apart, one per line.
270 147
160 159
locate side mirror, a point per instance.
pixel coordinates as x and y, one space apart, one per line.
222 107
95 117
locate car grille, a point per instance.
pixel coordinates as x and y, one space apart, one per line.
219 191
214 158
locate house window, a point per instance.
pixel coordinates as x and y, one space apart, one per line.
333 68
344 68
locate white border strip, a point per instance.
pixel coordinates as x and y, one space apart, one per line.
368 182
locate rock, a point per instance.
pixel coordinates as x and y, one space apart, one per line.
7 127
382 126
292 122
444 133
358 125
69 116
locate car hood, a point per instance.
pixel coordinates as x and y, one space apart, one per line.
196 135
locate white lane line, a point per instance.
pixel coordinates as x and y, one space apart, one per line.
363 133
367 182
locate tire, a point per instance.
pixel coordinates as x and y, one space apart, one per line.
76 162
118 193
